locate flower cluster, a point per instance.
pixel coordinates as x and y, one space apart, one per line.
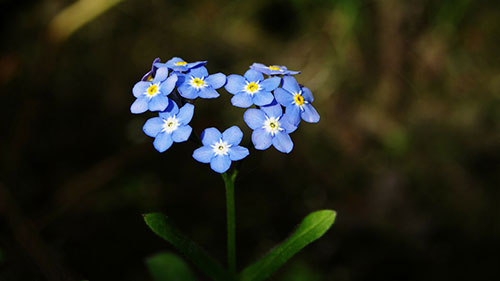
268 97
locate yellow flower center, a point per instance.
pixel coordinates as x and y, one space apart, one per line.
274 67
197 82
273 125
150 78
152 90
181 63
298 99
252 87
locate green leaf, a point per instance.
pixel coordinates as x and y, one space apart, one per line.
311 228
169 267
163 227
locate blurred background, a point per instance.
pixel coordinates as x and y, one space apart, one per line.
407 150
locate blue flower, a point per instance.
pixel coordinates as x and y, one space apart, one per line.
171 126
270 127
297 101
153 94
220 149
273 69
251 89
178 64
197 83
149 76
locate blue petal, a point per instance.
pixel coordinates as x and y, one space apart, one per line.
263 98
158 103
216 80
220 163
283 96
187 91
161 74
210 135
238 152
168 85
293 114
181 77
273 110
195 64
290 84
307 94
140 88
174 60
288 123
198 72
242 99
140 105
171 109
259 67
153 126
282 142
232 135
182 133
253 76
203 154
261 139
235 83
163 142
271 83
186 114
310 114
208 93
254 118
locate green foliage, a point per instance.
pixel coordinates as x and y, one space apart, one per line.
311 228
168 267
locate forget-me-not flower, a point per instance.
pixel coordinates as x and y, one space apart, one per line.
220 149
197 83
297 101
251 88
270 126
273 69
171 126
153 94
149 76
180 65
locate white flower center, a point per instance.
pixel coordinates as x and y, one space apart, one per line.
272 125
252 87
220 148
198 82
171 124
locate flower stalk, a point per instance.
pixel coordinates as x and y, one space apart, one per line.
231 223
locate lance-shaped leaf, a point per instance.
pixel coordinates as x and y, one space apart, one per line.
168 266
163 227
311 228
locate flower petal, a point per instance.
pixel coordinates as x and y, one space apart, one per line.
182 133
271 83
220 163
242 100
263 98
163 142
195 64
210 135
140 105
289 123
273 110
161 75
140 88
186 114
283 96
254 118
216 80
203 154
168 85
261 139
253 76
158 103
235 83
200 71
307 94
188 91
290 84
310 114
293 114
153 126
238 152
208 93
282 142
171 109
232 135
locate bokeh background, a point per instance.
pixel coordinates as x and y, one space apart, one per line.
407 150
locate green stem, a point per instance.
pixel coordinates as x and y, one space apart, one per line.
231 225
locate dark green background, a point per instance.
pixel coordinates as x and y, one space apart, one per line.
407 150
